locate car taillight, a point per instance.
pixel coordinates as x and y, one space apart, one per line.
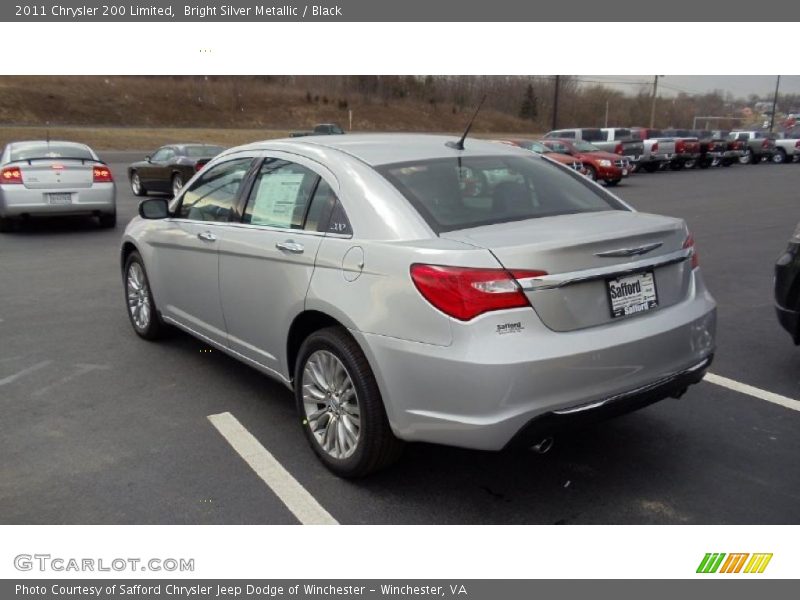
654 148
101 174
618 149
689 243
766 143
11 175
464 293
797 144
679 146
199 165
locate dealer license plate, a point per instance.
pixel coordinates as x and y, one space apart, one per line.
632 294
59 198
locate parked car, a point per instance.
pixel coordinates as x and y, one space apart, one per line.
169 167
787 287
657 150
540 148
613 140
51 178
600 165
474 317
758 146
733 150
687 148
787 150
321 129
624 144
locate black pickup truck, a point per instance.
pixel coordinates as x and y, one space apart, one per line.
321 129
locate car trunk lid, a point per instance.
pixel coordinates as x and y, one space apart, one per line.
583 252
57 174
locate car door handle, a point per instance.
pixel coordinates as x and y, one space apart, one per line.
207 236
290 246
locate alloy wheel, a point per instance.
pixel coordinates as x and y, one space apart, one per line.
331 404
138 296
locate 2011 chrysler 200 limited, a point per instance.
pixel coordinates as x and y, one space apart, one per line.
408 288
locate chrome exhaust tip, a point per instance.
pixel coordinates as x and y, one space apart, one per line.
543 446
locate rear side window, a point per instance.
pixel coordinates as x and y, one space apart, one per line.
53 150
592 135
461 193
280 195
212 196
202 151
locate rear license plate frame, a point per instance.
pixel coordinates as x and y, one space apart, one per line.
645 301
59 199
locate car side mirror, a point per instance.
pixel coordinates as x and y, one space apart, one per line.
147 158
154 208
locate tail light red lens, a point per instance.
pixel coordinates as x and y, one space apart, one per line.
797 144
765 144
101 174
199 165
679 146
654 147
689 243
11 175
464 293
618 149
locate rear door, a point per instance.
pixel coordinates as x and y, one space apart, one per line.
187 250
267 262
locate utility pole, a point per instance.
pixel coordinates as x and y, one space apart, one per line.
606 121
555 103
774 104
653 107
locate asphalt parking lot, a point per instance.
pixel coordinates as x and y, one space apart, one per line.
99 426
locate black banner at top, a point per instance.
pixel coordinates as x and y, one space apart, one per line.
404 11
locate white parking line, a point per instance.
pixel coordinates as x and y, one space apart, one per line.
296 498
31 369
750 390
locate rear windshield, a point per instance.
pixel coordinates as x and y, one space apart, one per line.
51 151
453 193
203 151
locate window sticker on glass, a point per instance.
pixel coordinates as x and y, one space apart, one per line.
276 199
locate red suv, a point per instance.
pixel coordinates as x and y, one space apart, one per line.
601 165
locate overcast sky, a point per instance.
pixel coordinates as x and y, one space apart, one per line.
738 85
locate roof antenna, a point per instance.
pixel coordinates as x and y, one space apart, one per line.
459 145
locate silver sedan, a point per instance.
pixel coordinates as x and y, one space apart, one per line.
410 289
50 178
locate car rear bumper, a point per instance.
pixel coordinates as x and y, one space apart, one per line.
551 423
19 201
485 388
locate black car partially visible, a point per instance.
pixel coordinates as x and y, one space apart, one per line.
169 167
787 287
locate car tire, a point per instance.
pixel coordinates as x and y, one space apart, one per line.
746 158
690 164
779 157
591 172
6 225
613 182
146 321
136 185
651 167
676 165
177 184
108 221
337 398
727 162
755 159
